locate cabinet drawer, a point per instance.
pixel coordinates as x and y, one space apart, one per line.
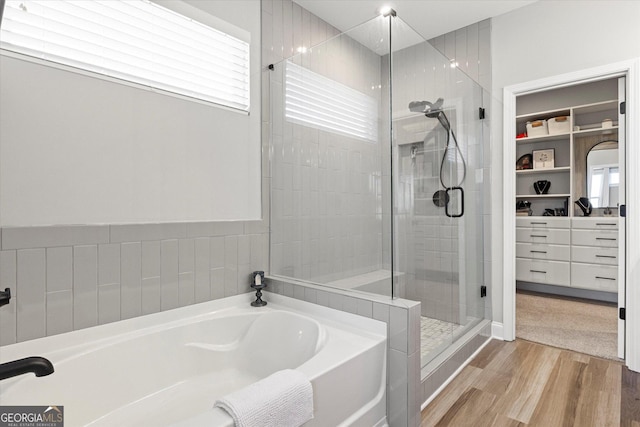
543 222
552 236
596 277
594 255
601 238
542 251
547 272
595 223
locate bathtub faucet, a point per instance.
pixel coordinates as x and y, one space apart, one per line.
38 365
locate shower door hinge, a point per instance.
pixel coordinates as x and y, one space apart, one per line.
483 291
623 313
481 113
623 107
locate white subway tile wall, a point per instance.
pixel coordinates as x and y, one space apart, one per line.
68 278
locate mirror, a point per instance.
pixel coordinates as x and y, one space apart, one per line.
603 176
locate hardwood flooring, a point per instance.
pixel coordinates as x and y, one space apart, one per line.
521 383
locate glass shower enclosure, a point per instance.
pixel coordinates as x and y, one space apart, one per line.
376 176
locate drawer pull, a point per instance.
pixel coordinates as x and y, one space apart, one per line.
605 278
606 238
538 223
605 223
538 252
538 271
538 235
606 256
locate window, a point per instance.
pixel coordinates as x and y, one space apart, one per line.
134 40
317 101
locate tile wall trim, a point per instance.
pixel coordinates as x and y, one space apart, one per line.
12 238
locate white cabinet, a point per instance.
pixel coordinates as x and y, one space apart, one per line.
594 254
543 250
576 252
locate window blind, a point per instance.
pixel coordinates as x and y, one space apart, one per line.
134 40
317 101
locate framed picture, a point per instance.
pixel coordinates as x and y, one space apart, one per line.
543 159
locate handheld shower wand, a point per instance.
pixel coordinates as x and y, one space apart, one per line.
434 111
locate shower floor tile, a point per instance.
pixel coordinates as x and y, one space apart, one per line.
435 335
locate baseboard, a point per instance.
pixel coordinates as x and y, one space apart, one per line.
497 330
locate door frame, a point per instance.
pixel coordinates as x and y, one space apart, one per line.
630 69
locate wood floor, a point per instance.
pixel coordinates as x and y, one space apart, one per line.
520 383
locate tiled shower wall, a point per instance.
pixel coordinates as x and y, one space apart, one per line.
326 187
73 277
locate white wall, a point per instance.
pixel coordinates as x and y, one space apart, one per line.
75 149
545 39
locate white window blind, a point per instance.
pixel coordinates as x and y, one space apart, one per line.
317 101
134 40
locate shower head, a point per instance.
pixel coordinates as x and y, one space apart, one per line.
431 110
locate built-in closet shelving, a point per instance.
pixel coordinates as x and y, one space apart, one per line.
585 121
568 250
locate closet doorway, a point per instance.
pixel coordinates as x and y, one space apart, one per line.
566 151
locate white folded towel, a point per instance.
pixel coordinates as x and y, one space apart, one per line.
283 399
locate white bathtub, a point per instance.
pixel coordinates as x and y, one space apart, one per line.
169 368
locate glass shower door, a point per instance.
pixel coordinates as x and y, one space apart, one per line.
437 142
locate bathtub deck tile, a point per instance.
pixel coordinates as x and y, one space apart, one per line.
201 266
186 256
108 264
230 280
216 252
169 274
108 303
150 295
216 276
131 288
59 269
59 312
8 314
187 290
85 286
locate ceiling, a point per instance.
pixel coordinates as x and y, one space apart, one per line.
430 18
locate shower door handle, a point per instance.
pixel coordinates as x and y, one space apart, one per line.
446 207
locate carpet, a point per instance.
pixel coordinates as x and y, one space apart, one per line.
579 325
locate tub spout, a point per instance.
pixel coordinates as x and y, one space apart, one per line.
38 365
